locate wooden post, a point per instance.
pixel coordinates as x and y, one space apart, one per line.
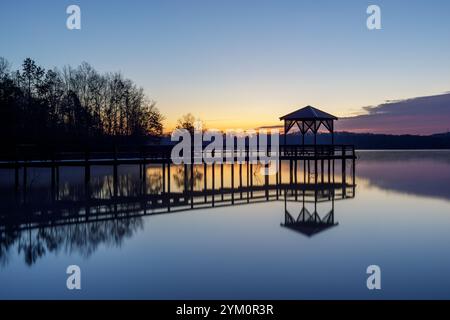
291 178
295 178
343 171
266 180
221 180
304 171
333 171
248 179
332 207
251 180
205 182
168 186
332 135
240 179
232 183
295 171
115 179
277 178
321 170
163 177
329 170
192 184
309 171
213 187
315 170
185 180
354 171
280 180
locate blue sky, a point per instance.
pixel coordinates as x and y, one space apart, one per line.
244 63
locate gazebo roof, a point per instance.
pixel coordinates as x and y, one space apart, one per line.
309 229
308 113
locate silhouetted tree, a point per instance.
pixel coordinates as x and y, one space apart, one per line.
75 104
187 122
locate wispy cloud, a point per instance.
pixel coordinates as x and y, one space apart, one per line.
421 115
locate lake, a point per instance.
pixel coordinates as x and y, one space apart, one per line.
397 217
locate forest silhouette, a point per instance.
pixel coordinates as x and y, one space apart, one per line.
72 106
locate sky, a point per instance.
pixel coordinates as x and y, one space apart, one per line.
245 63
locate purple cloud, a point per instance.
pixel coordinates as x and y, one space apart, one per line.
422 115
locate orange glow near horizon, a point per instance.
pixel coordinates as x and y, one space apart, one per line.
249 118
405 116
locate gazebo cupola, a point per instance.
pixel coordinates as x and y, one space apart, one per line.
309 118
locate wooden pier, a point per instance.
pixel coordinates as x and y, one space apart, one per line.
307 164
324 172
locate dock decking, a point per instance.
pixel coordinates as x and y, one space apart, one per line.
162 154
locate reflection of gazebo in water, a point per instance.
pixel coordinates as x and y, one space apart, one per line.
309 119
307 222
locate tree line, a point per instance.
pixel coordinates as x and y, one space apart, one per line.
75 105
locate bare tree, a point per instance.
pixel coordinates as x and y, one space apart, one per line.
187 121
75 102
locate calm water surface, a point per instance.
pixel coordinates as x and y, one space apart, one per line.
398 219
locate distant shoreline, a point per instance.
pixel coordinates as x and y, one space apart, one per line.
402 150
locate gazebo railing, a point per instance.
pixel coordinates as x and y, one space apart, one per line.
317 150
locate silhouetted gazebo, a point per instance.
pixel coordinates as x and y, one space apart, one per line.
309 118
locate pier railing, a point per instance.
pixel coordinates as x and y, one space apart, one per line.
162 153
338 151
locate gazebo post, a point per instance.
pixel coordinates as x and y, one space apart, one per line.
303 133
315 133
332 133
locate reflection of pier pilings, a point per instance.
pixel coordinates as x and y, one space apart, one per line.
62 211
161 186
127 189
193 176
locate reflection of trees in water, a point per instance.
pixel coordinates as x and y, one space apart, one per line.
179 176
154 180
257 178
7 240
83 239
70 191
102 187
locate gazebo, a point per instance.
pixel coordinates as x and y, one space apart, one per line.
309 118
